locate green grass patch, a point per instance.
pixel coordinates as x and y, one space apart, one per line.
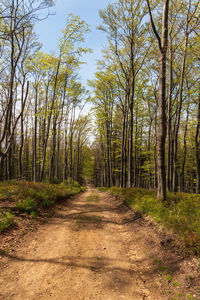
31 197
103 189
6 219
182 215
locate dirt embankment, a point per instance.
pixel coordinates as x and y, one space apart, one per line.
95 248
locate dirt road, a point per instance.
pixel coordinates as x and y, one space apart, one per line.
90 249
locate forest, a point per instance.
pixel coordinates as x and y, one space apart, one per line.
144 98
42 128
133 131
147 97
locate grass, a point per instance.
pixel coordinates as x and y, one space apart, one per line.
32 197
182 215
6 219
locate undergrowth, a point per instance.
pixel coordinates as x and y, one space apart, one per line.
181 212
6 219
32 197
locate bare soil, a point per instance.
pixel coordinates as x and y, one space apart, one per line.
94 248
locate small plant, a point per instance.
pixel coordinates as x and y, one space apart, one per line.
163 268
47 202
190 277
6 219
33 214
27 205
176 284
179 295
169 278
170 292
157 262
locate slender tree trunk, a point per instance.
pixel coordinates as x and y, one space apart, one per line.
136 151
169 117
35 136
22 133
162 129
197 146
177 125
123 149
163 41
182 185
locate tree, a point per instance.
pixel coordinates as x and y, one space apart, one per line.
162 43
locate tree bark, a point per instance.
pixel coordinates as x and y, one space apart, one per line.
162 42
197 147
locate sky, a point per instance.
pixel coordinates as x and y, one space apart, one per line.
49 30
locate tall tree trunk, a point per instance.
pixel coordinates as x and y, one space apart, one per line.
162 41
22 132
130 147
123 148
197 146
35 136
169 117
177 125
182 185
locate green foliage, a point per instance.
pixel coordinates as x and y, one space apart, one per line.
31 197
182 215
55 180
33 214
88 163
103 189
27 205
6 219
71 182
176 284
169 277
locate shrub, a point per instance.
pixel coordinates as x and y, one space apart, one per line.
6 219
27 205
55 180
30 197
182 215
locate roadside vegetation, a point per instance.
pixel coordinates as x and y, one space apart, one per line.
31 198
181 213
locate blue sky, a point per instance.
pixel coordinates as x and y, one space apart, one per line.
49 30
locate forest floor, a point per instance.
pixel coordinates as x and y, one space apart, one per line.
94 247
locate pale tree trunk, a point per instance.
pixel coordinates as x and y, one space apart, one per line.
22 133
35 137
169 118
182 185
197 146
130 152
162 41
